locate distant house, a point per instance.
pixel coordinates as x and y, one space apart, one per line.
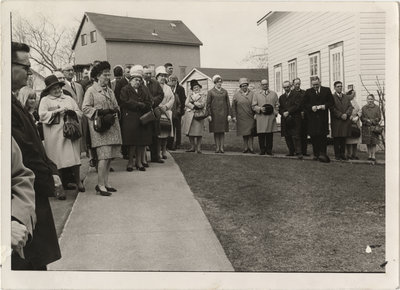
36 82
230 78
128 40
336 46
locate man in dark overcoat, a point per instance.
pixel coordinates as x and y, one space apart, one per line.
340 120
44 248
157 95
303 132
177 112
290 111
317 101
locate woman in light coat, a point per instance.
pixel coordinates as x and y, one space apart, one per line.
166 110
99 97
64 152
243 115
219 113
351 142
192 127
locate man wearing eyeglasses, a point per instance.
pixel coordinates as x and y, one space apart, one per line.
44 248
340 120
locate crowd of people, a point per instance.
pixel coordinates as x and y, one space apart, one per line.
135 112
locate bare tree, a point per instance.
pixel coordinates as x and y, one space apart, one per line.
50 44
257 57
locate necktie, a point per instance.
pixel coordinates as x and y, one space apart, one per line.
73 87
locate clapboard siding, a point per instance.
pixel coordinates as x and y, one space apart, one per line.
296 35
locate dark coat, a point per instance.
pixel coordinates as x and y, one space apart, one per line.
44 248
135 104
291 125
218 107
180 92
318 122
157 95
340 127
118 87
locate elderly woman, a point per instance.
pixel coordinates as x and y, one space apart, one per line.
27 98
370 118
243 114
194 126
218 107
135 102
64 152
166 110
100 98
351 142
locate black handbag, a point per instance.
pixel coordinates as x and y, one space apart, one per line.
355 131
71 127
102 123
147 117
165 123
200 114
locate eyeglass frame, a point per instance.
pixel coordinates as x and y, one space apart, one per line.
26 67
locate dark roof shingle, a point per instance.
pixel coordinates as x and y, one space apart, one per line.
120 28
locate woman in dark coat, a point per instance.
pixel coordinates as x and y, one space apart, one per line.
370 117
219 108
136 102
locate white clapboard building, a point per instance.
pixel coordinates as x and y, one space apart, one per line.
331 45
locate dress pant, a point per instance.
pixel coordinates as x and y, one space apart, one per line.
17 263
339 145
294 144
303 136
319 143
265 140
177 133
154 153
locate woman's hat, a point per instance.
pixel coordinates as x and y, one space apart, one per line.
50 82
243 81
269 109
136 71
216 78
160 70
194 83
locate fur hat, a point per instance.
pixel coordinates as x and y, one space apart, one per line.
99 68
243 81
160 70
137 71
216 78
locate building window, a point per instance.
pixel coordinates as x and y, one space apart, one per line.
84 39
336 63
278 78
314 65
182 72
93 36
292 69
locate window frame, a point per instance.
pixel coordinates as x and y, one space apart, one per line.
84 40
278 82
316 64
93 39
290 63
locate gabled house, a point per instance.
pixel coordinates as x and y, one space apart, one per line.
128 40
335 46
229 76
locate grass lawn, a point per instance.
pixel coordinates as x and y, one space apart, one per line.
274 214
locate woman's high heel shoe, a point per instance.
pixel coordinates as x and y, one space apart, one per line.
140 168
111 189
101 192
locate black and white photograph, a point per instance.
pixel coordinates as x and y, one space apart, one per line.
200 145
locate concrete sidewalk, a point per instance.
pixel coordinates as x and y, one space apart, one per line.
153 223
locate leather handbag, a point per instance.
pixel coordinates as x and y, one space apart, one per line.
355 131
71 127
98 125
200 114
165 123
147 117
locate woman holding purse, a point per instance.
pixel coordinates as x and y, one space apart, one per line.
64 152
351 142
193 126
370 118
99 101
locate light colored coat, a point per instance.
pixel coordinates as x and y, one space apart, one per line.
96 98
166 106
355 117
62 151
265 123
191 126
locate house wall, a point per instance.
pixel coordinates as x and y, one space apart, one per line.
362 36
154 53
91 51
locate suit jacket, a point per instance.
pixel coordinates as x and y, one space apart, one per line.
22 192
318 121
77 93
44 247
156 92
118 87
340 127
291 125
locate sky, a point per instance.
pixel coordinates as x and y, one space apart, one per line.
228 29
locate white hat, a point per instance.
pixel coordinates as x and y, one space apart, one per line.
243 81
136 71
216 78
160 70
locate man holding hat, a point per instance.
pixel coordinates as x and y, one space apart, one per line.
265 104
74 88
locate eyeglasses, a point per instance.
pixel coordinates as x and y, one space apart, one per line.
26 67
286 87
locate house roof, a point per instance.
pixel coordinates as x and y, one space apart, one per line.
131 29
232 74
265 17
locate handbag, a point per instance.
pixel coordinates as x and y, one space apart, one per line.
355 131
71 127
165 123
200 114
102 123
147 117
377 129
